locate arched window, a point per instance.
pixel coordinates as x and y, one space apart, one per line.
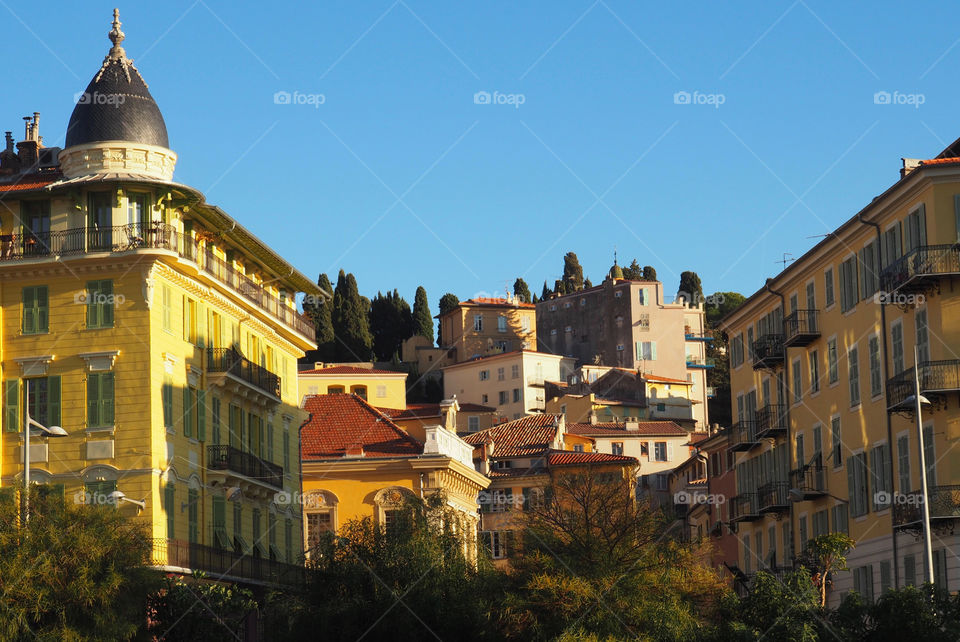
389 504
334 390
360 391
320 516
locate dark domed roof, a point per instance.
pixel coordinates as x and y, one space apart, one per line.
116 104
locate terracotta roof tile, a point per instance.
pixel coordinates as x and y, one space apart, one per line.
941 161
530 435
350 370
571 458
697 437
424 410
483 300
29 183
649 428
339 422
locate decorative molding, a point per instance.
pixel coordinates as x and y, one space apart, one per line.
121 157
193 376
148 285
34 366
100 361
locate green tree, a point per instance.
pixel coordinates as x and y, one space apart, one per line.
391 323
546 292
522 291
572 273
73 572
649 274
633 272
351 325
718 305
447 302
587 284
422 319
320 309
775 609
827 554
200 610
690 288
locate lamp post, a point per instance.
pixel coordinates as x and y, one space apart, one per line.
53 431
919 400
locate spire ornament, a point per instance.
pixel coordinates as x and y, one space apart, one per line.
117 54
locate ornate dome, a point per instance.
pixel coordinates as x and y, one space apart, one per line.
116 106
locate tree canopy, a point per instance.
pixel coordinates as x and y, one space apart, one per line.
522 291
391 323
422 319
572 274
351 324
690 288
448 302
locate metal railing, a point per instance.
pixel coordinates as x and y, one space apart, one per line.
801 327
743 435
773 496
926 260
771 420
700 362
935 376
221 563
243 463
230 360
743 507
944 504
810 479
768 350
150 236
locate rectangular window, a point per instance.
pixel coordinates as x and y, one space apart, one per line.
869 270
660 450
516 395
270 442
500 374
930 455
814 360
484 375
215 420
863 582
833 373
891 245
857 484
189 411
478 323
828 287
853 372
848 284
381 391
286 447
903 463
44 399
515 372
100 302
909 570
821 523
915 230
796 382
837 454
885 581
736 351
473 424
923 338
804 532
36 310
880 476
616 448
166 308
169 502
876 380
166 394
11 405
841 524
896 336
501 323
811 297
193 515
504 397
98 492
100 400
647 350
940 569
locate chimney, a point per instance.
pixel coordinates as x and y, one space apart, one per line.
354 450
593 417
448 413
632 425
29 148
9 161
909 164
9 137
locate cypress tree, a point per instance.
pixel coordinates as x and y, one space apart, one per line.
422 320
447 302
649 274
572 273
634 272
351 324
546 292
690 288
320 309
521 290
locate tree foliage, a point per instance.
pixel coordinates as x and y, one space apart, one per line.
633 272
522 291
422 319
391 323
690 288
572 273
199 610
447 302
546 292
351 325
320 309
649 274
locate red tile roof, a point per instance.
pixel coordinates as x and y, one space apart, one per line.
648 428
350 370
28 183
571 458
697 437
424 410
941 161
339 422
651 377
483 300
530 435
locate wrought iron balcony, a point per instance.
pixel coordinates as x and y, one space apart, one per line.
915 270
801 328
772 421
234 460
936 377
743 435
220 564
700 362
810 480
229 361
944 508
744 508
774 497
768 351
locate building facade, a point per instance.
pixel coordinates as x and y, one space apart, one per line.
161 334
485 326
382 388
822 361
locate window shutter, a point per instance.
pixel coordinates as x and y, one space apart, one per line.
53 400
202 415
922 224
106 303
653 350
187 429
526 499
11 405
106 397
93 400
169 497
862 254
669 451
852 486
30 310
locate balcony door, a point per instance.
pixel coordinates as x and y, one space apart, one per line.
99 221
35 217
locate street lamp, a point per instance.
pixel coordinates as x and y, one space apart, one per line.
919 401
119 496
52 431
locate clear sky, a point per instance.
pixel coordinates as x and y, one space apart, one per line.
401 177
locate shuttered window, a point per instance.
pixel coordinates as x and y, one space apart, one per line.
100 304
100 395
36 310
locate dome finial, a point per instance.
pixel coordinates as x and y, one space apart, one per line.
116 36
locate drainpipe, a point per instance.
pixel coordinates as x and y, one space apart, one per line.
886 378
786 406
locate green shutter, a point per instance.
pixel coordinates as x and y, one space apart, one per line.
53 401
215 412
31 310
286 450
169 497
93 308
106 304
193 501
270 442
106 398
43 310
187 413
11 405
167 395
93 400
202 415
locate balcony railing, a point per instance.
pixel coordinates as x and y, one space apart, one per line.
230 361
768 351
743 508
148 236
700 362
774 497
800 328
910 271
223 564
234 460
772 421
743 435
944 505
935 377
810 480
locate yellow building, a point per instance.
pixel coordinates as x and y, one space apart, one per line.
382 388
358 463
822 360
464 417
486 326
161 334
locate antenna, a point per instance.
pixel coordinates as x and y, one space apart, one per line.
787 258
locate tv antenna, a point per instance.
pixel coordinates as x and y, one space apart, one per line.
787 258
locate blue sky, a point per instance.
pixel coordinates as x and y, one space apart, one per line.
402 178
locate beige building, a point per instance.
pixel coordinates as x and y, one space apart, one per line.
512 382
485 326
822 361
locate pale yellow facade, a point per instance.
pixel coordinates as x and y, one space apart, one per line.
382 389
484 326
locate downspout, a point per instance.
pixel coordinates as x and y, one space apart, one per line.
786 405
886 378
